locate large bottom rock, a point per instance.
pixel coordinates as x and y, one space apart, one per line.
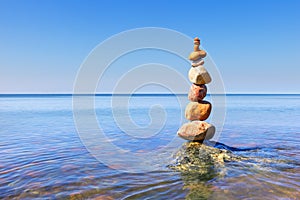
202 159
196 131
210 156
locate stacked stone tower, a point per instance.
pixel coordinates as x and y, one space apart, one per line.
197 110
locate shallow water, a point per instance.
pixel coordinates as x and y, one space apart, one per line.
42 155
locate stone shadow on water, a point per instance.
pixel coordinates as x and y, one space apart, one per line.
226 147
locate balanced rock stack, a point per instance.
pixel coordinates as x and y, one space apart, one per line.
197 110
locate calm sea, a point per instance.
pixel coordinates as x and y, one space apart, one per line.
42 154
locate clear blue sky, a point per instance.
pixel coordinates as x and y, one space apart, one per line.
255 44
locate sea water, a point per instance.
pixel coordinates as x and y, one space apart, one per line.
43 153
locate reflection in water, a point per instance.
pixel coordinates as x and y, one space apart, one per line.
200 190
198 164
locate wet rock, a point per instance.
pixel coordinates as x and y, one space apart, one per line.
197 92
196 131
198 110
201 159
199 75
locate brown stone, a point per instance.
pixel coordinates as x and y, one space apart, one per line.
196 131
196 42
199 75
198 110
197 54
197 92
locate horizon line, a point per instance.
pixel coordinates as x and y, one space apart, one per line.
134 94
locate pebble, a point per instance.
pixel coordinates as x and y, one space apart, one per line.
197 54
199 75
198 110
198 62
197 92
196 131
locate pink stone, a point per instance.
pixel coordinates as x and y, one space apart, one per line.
197 92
